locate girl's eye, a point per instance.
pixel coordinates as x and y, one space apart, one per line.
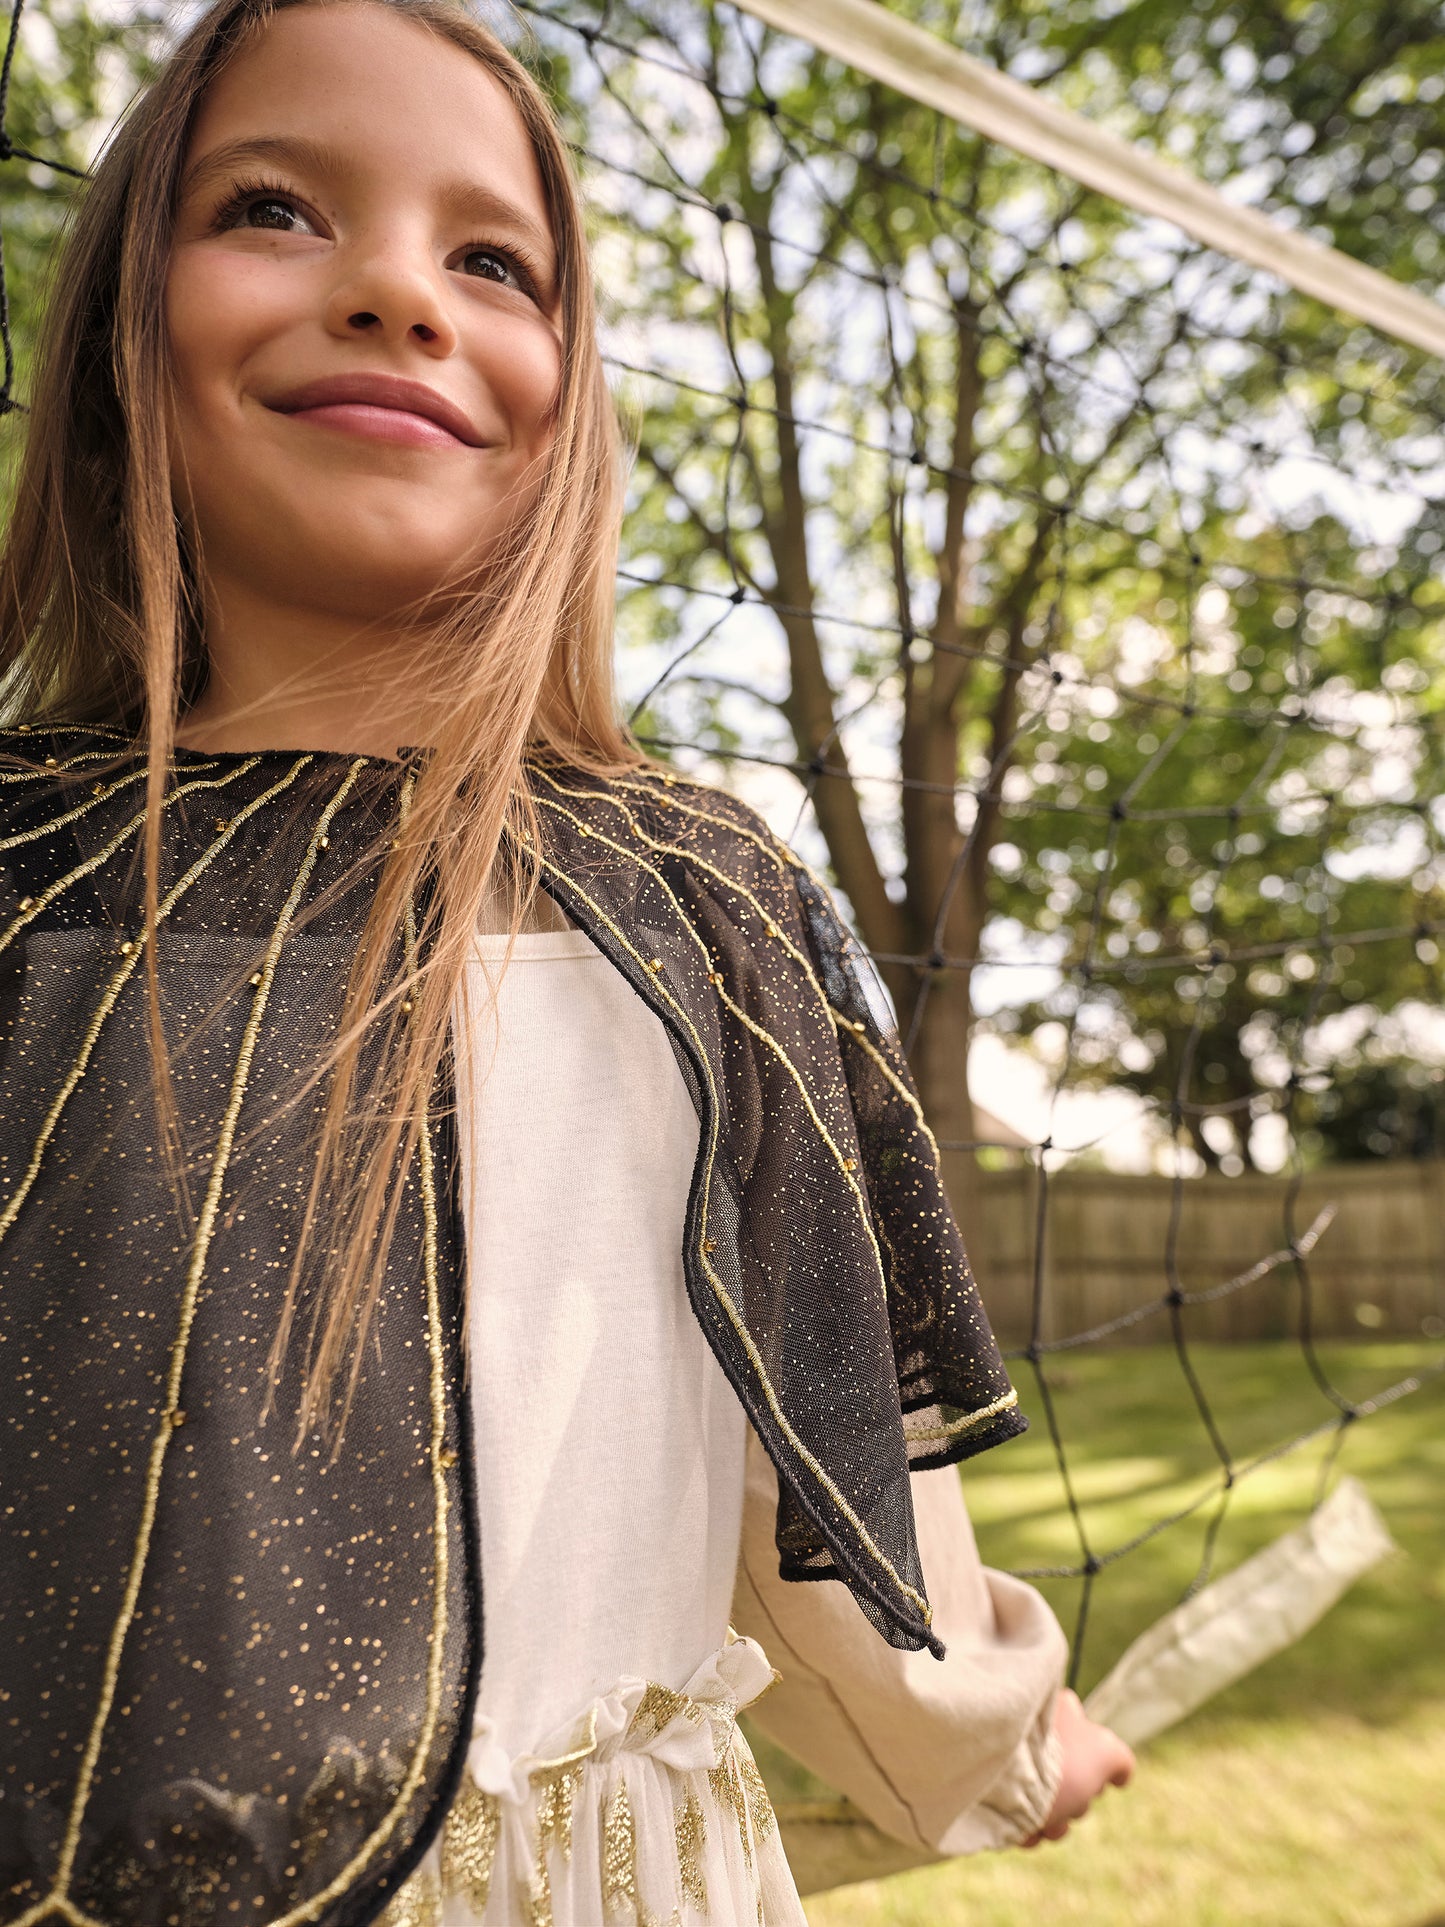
493 264
262 208
274 214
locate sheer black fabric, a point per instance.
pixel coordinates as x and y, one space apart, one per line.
238 1678
822 1258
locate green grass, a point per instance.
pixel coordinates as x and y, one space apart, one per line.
1314 1790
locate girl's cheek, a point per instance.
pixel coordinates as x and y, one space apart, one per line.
522 364
220 309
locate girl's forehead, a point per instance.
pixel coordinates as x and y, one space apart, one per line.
377 92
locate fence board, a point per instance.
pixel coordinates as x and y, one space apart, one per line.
1115 1242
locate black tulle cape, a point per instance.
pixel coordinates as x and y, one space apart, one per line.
238 1677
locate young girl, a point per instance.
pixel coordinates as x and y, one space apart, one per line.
344 1570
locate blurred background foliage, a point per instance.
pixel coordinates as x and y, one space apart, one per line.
1075 598
1104 574
1138 553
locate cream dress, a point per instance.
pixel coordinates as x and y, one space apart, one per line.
607 1781
606 1778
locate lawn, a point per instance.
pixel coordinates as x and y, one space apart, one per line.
1312 1791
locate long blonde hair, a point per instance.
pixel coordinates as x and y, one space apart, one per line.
98 623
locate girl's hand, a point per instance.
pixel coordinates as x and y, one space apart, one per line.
1093 1759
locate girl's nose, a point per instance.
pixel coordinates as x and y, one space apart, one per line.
393 298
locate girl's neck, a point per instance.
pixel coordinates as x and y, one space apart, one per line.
283 677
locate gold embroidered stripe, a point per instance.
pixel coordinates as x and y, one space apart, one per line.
190 1294
104 854
720 1291
758 1030
132 954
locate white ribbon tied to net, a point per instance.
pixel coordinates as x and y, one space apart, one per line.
1213 1639
1228 1628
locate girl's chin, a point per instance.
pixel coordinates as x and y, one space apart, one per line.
382 560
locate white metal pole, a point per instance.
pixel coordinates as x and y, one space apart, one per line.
868 37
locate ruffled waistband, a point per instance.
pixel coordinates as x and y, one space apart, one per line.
684 1729
646 1808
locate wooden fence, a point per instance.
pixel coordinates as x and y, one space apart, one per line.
1374 1235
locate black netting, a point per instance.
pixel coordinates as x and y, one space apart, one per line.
1073 595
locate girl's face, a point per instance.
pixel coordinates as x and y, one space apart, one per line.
362 312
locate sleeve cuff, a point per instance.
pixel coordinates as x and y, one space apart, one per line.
1020 1800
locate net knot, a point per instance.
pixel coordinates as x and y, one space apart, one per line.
738 595
725 212
7 146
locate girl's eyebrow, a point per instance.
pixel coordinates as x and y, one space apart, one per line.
466 200
288 150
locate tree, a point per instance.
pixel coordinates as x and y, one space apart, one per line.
74 68
1013 524
1044 504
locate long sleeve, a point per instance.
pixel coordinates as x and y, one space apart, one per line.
956 1755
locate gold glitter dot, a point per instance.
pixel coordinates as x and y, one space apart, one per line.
654 963
27 903
850 1164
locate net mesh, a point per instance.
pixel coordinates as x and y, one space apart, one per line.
1073 596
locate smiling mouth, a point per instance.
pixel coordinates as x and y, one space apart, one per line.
374 422
378 407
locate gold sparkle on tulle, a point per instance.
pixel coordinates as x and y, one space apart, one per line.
469 1844
619 1851
690 1834
417 1904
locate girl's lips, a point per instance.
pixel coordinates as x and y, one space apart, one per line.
376 423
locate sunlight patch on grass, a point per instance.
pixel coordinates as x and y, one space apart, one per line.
1308 1794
